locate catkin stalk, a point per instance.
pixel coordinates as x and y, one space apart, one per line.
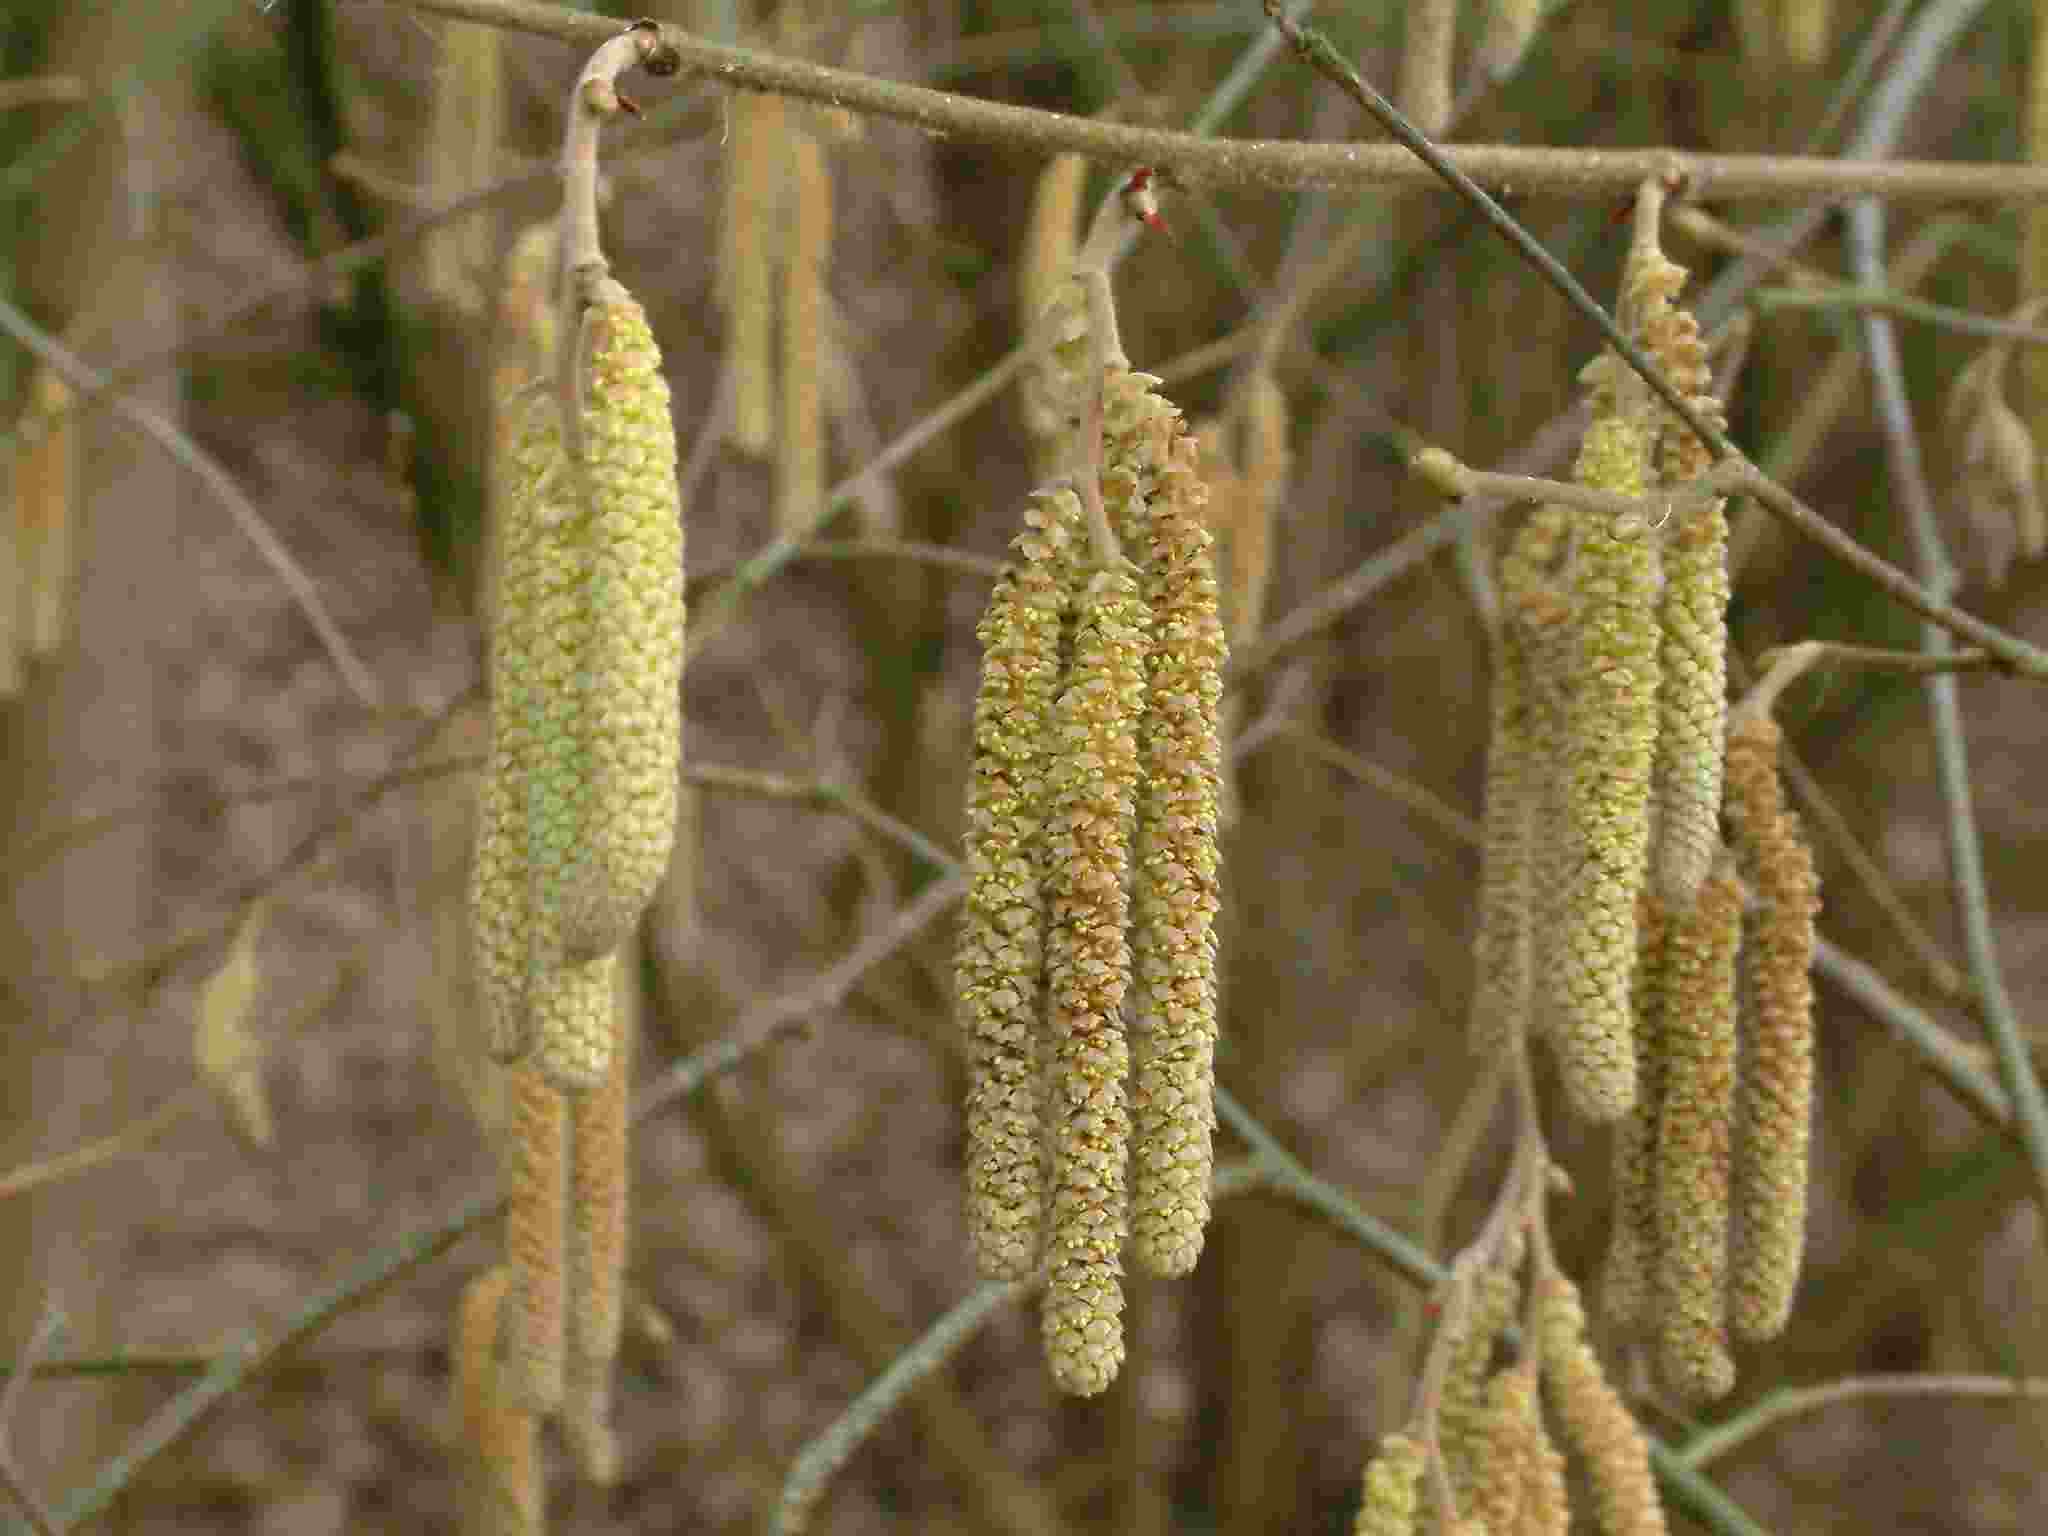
1094 773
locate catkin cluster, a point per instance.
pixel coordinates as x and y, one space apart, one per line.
577 818
1504 1471
1091 843
1611 769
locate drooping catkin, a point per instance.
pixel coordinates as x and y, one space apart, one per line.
1267 463
1461 1410
1520 1486
800 435
750 255
1503 945
1774 1092
595 1271
46 511
999 964
1155 498
1611 738
1393 1483
1628 1278
631 549
1693 608
499 1441
1094 772
535 1216
1597 1424
1693 1140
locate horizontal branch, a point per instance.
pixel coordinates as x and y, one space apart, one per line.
1503 169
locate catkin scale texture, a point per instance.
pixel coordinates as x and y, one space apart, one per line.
1156 499
631 706
535 1214
1094 772
1693 1140
500 1441
1612 726
998 966
1628 1278
1596 1422
1393 1483
596 1258
1774 1094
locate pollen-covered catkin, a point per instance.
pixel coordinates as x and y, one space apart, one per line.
1094 771
1628 1291
535 1216
630 715
530 797
1774 1092
998 967
1612 728
1597 1424
1520 1486
1393 1482
1155 498
1502 947
1461 1411
1693 1137
499 1441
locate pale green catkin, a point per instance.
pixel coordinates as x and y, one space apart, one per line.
1393 1482
1156 499
1693 1140
631 710
1461 1412
1774 1092
1612 730
1094 772
1502 948
1628 1278
998 966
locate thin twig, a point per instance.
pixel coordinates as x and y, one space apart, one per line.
11 1478
1955 1063
1430 806
939 556
1912 663
82 376
41 91
1593 174
1783 1403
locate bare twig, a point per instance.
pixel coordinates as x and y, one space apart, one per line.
1195 159
1790 1402
11 1478
41 91
80 375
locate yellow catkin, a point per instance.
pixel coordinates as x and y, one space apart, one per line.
1461 1411
1612 727
46 512
595 1270
999 962
631 550
572 1010
1520 1487
527 802
1628 1279
1155 497
461 155
800 435
1094 772
1693 608
1051 241
535 1216
750 256
499 1441
1392 1488
1693 1140
1774 1094
1502 947
1596 1423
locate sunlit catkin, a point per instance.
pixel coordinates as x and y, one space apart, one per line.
1596 1423
1155 498
499 1440
1693 1140
1693 608
1774 1093
1094 772
1628 1279
535 1214
1612 730
596 1259
1393 1483
998 967
630 715
1520 1486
